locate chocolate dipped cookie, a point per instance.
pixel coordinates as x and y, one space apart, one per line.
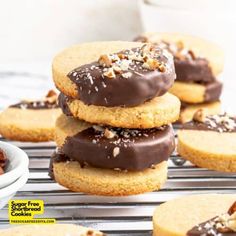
209 141
32 121
196 215
120 161
112 74
196 75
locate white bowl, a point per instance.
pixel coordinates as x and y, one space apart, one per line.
8 192
17 165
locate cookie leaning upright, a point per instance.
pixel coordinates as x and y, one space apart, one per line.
209 141
32 121
198 62
115 136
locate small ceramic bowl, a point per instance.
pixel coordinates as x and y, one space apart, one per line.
8 192
17 164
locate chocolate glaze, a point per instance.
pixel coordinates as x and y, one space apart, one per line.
143 84
132 150
201 230
36 105
188 67
211 124
196 70
213 91
63 102
208 228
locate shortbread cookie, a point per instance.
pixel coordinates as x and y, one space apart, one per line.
197 93
192 216
113 148
154 113
50 230
32 121
209 142
187 110
124 78
108 182
200 47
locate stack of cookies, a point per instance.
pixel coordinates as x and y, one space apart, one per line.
115 135
197 63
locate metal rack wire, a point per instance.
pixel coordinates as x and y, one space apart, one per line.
114 215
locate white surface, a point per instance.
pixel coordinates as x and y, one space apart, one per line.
8 192
18 162
37 30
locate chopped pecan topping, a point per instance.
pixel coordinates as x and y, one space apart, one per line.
200 115
105 60
109 73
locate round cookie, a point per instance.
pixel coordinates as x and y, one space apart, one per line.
201 47
126 78
113 148
197 93
107 182
50 230
32 121
209 144
154 113
187 110
79 55
179 216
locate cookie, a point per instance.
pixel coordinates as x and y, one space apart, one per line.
109 182
124 78
113 148
50 230
187 110
209 142
154 113
192 215
197 93
32 121
200 47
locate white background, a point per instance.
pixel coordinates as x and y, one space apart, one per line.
33 31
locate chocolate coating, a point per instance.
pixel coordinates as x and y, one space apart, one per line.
143 84
202 230
63 104
132 150
212 123
213 91
36 105
195 70
209 228
188 67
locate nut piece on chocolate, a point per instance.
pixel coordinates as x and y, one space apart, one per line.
119 63
3 161
200 115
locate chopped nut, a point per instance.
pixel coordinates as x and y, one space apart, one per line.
109 73
121 56
162 67
151 64
232 209
116 151
127 75
109 134
117 69
105 60
51 93
200 115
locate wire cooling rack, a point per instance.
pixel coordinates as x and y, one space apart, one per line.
113 215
